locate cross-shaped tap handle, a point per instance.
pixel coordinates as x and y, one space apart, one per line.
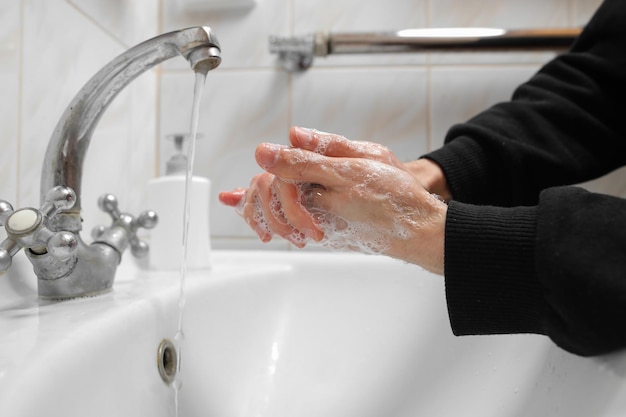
129 223
27 228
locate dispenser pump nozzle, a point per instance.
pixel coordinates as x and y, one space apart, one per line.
177 164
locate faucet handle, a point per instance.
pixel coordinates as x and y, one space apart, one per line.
8 247
124 222
26 228
5 211
57 199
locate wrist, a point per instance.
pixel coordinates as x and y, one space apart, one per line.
425 244
431 176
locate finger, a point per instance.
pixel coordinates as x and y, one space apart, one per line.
330 144
252 211
274 218
232 198
295 213
295 164
315 199
271 207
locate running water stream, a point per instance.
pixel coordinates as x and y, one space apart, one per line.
191 150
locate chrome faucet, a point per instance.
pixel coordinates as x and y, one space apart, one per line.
65 266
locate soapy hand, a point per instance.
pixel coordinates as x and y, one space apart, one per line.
344 194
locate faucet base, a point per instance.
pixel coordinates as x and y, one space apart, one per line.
58 297
91 273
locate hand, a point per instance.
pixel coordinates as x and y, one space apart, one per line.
353 195
430 175
269 202
272 206
427 172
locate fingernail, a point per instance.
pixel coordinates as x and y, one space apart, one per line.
267 154
304 135
311 234
263 234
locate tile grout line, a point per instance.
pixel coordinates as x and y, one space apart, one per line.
98 25
429 138
20 112
157 111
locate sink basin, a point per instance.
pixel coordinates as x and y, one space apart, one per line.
283 334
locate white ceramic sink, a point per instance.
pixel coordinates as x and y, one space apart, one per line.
283 334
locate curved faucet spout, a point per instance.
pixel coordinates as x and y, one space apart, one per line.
65 266
63 163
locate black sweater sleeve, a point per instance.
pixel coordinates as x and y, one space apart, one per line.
522 255
558 268
564 126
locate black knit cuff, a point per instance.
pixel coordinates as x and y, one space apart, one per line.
491 283
463 164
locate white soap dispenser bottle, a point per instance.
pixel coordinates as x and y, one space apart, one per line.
166 196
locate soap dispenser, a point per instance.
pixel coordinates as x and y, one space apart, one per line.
166 196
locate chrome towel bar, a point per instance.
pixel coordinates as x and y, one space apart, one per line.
297 53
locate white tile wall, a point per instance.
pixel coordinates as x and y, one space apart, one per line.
128 22
582 9
49 48
394 100
460 92
10 46
510 14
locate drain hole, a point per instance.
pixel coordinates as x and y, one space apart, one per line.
167 360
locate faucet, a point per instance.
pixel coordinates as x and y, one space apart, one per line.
65 266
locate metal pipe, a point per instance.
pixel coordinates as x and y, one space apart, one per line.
297 53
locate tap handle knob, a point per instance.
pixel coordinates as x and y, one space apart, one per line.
60 245
6 209
26 228
8 246
129 223
147 219
57 199
109 204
